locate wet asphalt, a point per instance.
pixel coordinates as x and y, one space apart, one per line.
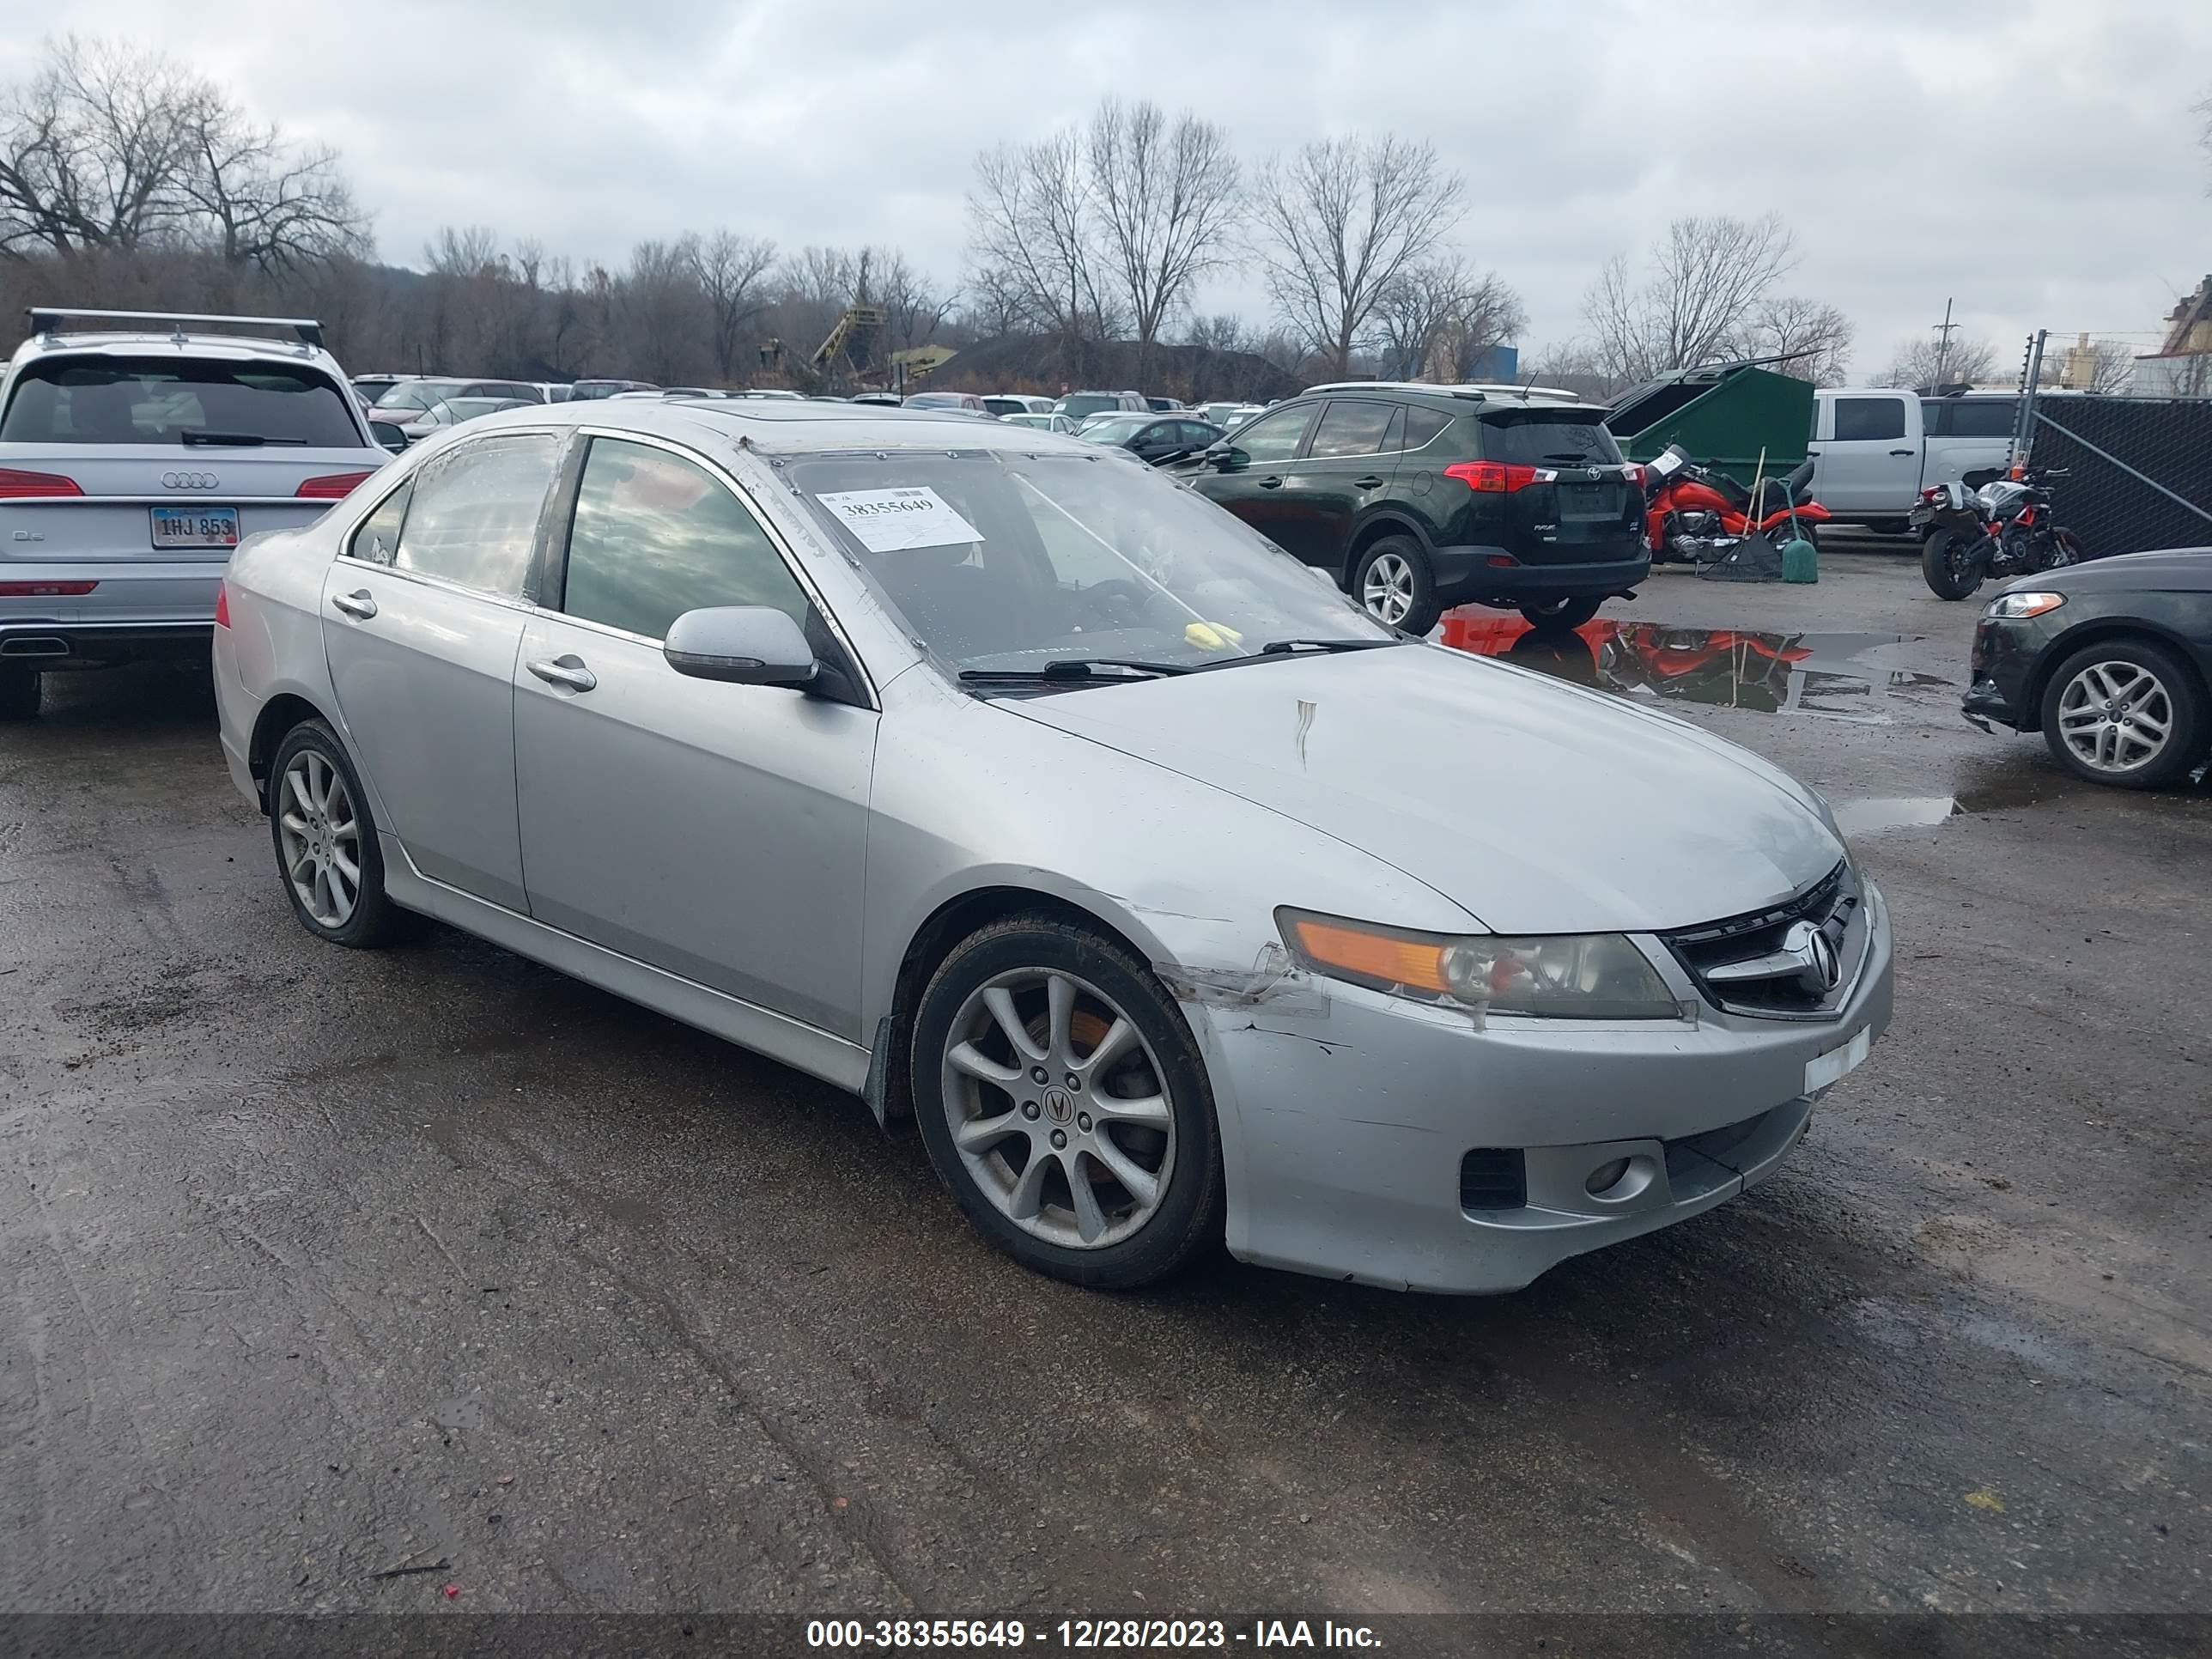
316 1265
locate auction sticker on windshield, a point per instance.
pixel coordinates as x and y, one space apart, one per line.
887 520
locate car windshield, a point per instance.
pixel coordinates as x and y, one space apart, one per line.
416 394
1003 562
1085 402
164 400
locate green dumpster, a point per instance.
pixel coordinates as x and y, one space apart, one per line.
1721 415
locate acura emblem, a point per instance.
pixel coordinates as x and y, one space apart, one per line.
189 481
1821 972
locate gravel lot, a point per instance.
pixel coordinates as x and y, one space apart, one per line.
317 1264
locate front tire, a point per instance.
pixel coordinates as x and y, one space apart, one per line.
19 692
1062 1098
2126 712
324 837
1395 585
1561 613
1948 564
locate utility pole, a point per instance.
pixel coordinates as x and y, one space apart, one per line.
1943 344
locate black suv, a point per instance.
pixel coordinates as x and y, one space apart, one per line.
1416 498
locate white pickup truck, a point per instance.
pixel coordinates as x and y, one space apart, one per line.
1875 449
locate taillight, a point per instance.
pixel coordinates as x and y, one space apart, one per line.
1634 472
1491 477
330 487
46 590
15 486
222 605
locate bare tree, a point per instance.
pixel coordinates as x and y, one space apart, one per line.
1699 302
464 251
1166 199
1439 319
2111 367
1029 220
95 148
663 310
732 272
913 307
1926 362
266 205
1339 223
1815 338
993 301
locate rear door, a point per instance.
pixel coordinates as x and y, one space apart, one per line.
1348 462
1868 456
149 469
423 618
1966 436
1249 479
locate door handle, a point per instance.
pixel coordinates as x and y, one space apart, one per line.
1368 483
1814 454
568 670
1273 481
1900 452
359 604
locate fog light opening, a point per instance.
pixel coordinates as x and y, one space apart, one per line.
1620 1179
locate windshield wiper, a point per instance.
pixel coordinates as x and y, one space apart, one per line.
241 440
1069 669
1285 647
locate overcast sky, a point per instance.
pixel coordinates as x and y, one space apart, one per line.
2036 160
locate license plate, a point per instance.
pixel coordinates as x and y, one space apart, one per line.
1822 1070
1587 502
195 526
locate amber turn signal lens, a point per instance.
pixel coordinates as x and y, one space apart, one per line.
1411 963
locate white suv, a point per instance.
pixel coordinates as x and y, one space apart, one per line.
132 463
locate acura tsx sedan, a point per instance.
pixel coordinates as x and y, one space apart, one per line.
1032 797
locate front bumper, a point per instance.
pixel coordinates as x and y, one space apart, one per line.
2002 672
1468 574
1356 1112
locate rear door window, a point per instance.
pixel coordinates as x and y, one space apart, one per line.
1350 427
1868 419
377 539
474 518
1548 440
1980 420
167 400
656 535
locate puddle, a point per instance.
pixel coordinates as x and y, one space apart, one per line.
1871 817
1840 677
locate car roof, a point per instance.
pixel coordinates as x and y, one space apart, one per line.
1493 392
221 348
792 426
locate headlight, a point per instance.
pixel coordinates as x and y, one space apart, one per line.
2016 605
1563 975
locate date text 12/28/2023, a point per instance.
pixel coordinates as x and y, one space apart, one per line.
1078 1635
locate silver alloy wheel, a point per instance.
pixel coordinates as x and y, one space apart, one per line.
1058 1109
318 835
1387 589
2115 716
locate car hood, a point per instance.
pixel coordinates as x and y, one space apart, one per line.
1537 807
2180 569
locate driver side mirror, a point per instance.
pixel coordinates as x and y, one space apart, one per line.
387 436
740 645
1222 456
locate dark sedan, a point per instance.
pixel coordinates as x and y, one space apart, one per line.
1158 439
2110 660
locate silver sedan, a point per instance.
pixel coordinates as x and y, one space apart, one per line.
1024 793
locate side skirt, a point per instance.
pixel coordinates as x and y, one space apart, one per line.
795 1043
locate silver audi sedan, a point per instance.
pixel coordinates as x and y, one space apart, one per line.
1027 794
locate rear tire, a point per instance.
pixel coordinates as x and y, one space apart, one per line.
1394 584
320 825
20 689
2103 705
1108 1177
1949 566
1561 613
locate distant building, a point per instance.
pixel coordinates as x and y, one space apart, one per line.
2182 368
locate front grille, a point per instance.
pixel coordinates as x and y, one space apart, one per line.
1494 1178
1833 905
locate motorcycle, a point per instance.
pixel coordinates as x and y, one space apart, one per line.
2002 529
1695 515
